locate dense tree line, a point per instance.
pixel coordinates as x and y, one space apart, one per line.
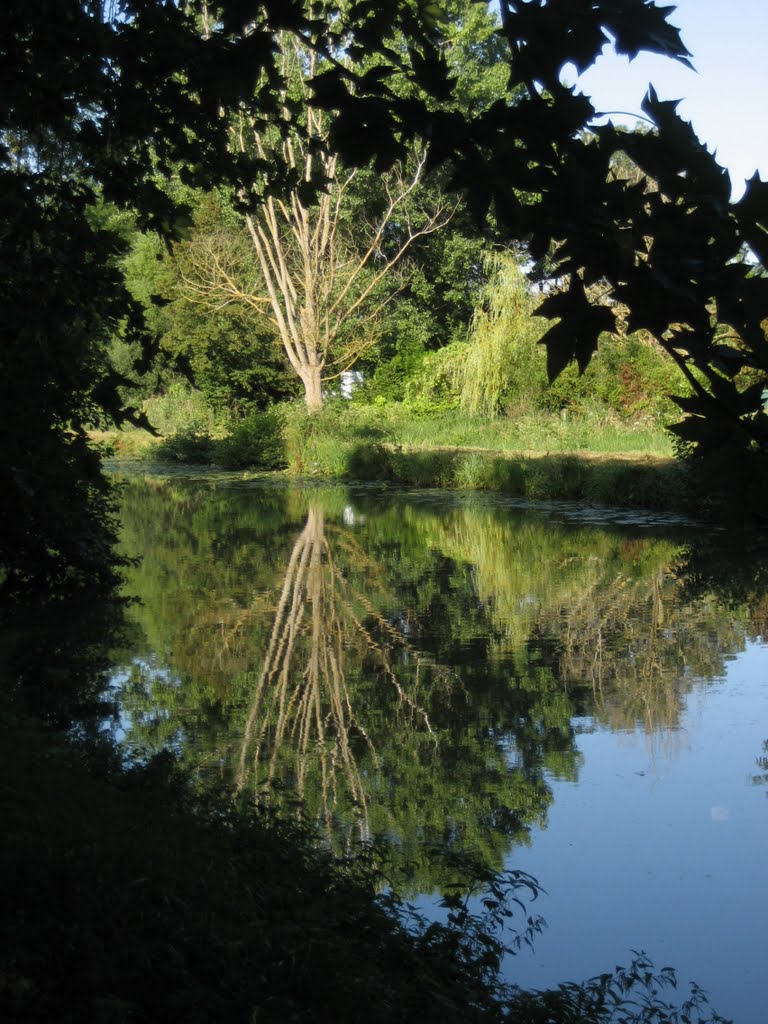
109 103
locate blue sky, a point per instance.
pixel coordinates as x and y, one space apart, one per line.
726 99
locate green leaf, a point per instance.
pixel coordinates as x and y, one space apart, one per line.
576 335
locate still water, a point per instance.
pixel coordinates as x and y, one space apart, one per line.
578 694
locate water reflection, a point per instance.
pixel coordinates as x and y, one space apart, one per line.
761 779
306 708
412 671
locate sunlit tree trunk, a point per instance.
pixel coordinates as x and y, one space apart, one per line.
312 379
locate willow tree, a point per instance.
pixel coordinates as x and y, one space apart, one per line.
503 361
328 245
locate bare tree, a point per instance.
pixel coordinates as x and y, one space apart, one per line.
323 276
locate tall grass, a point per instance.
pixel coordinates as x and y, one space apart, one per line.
539 457
183 409
181 414
594 429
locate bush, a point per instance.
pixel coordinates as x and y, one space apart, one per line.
431 388
318 443
369 461
630 376
190 445
181 410
258 441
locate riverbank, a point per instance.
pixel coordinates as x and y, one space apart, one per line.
544 457
623 480
591 458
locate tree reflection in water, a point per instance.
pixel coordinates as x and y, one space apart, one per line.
303 700
417 676
762 764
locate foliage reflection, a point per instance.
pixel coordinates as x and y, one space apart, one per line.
410 671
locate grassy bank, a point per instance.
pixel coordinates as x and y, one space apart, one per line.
596 430
594 457
590 459
622 466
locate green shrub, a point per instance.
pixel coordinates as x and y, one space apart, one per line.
318 444
190 445
257 441
474 472
632 377
501 369
431 388
181 410
369 462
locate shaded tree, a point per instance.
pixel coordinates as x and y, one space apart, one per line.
229 351
82 97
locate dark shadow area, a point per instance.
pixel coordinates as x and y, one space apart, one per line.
132 895
126 904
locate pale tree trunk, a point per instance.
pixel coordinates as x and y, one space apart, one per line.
311 378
